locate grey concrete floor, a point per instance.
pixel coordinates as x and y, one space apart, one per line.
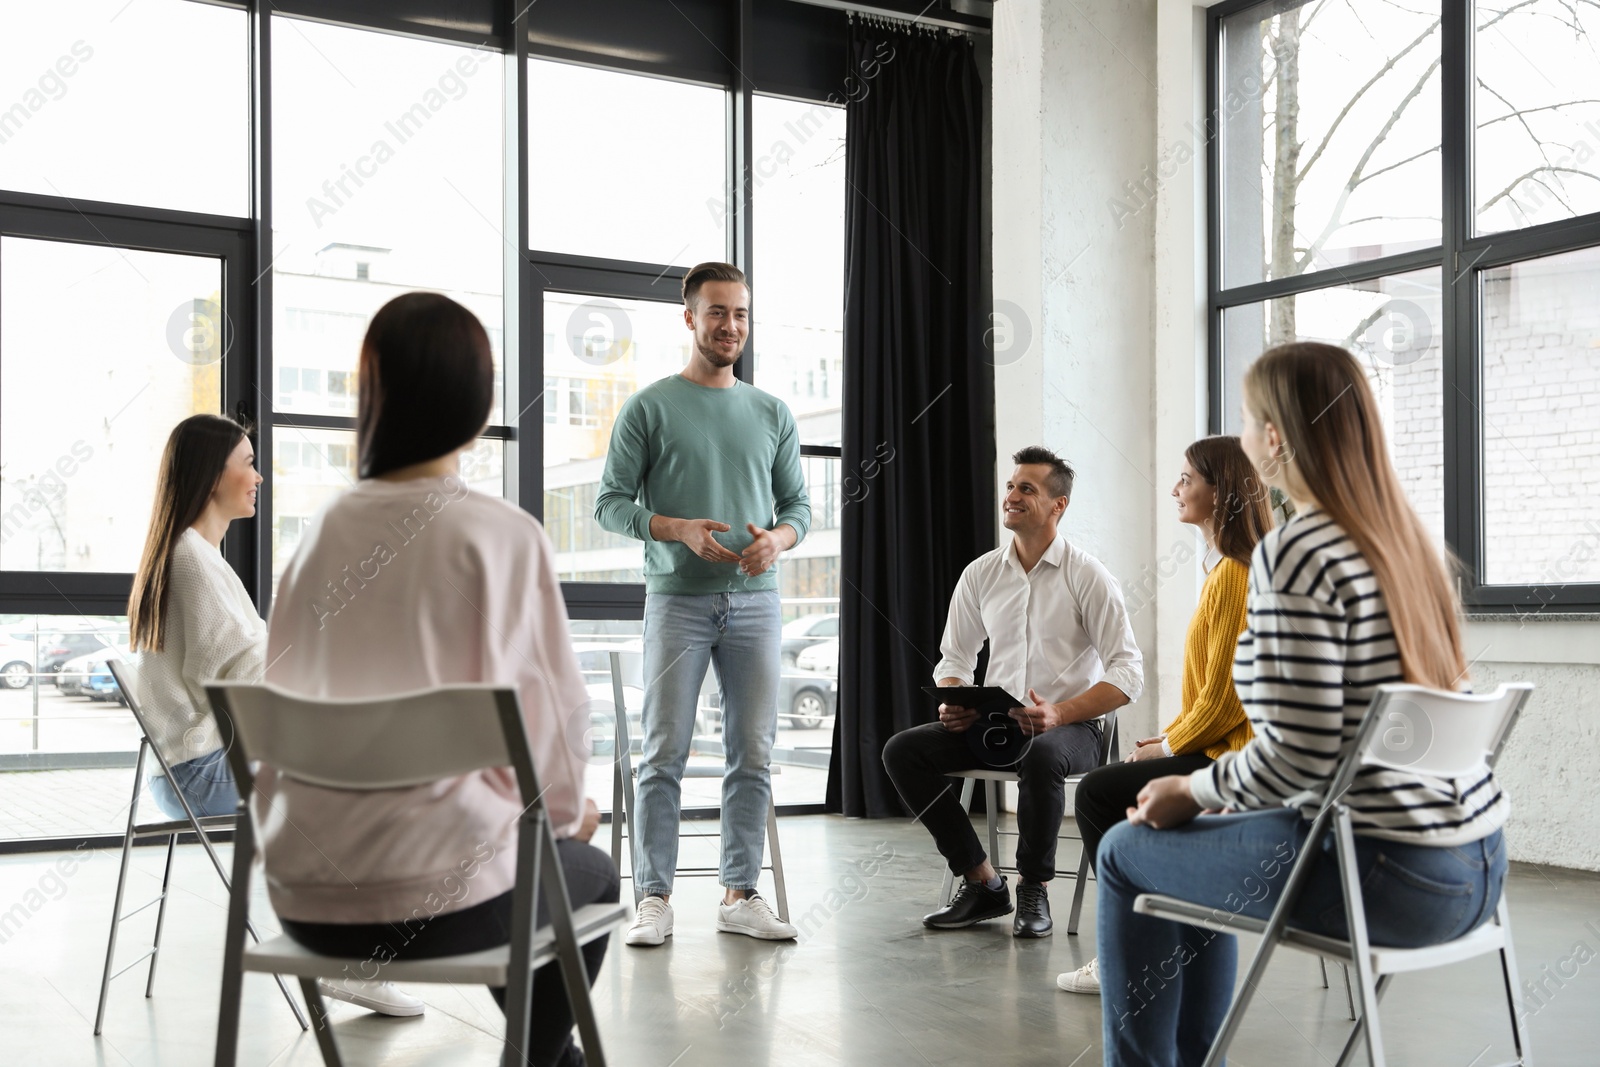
867 984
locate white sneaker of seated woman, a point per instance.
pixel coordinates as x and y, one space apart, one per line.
385 998
1085 979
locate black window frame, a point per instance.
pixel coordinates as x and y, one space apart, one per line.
804 40
1462 258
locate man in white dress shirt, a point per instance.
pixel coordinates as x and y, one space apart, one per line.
1059 634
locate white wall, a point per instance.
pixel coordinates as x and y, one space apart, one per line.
1086 96
1076 83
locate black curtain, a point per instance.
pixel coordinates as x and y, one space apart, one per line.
918 465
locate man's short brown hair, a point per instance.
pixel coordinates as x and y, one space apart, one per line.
709 272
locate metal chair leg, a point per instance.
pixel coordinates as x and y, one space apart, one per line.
1078 890
1322 965
1349 995
1508 970
991 801
161 916
1347 1054
949 876
777 861
122 882
319 1019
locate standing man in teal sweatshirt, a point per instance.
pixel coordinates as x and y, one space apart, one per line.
705 470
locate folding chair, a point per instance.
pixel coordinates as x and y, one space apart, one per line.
622 777
125 675
991 780
393 743
1464 732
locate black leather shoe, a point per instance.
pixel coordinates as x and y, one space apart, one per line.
1033 911
973 903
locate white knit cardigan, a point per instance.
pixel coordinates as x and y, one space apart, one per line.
212 632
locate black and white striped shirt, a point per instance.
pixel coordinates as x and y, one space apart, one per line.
1317 645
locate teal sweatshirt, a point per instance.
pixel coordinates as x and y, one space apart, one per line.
687 451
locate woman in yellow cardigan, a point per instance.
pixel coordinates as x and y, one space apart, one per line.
1217 491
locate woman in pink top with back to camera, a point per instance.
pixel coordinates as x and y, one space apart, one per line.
408 581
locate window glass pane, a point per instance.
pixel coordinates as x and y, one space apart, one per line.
386 178
799 220
1330 154
61 721
624 166
1392 326
808 690
1537 152
134 103
606 349
98 346
311 467
1541 421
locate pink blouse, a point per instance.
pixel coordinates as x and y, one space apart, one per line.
399 586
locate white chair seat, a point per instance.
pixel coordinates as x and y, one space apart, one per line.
284 955
1490 937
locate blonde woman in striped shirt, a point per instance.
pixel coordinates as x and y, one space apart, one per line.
1349 594
1218 492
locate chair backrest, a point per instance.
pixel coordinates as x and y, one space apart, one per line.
126 676
1108 738
1432 732
386 742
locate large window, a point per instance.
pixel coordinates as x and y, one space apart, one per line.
102 350
186 228
1421 185
140 103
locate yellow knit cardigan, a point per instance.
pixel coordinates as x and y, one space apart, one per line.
1212 720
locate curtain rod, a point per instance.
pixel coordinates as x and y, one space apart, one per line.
898 16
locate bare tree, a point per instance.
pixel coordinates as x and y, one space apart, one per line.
1294 243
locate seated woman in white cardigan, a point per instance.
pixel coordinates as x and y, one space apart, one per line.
191 621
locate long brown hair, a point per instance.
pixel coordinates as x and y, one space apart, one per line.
196 455
1318 398
1242 516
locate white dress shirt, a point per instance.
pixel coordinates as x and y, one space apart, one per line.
1058 629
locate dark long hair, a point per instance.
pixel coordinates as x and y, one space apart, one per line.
196 455
1318 397
427 380
1243 515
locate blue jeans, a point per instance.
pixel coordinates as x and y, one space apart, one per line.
740 634
207 784
1165 986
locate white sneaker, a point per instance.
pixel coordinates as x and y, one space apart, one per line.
385 998
753 917
1085 979
652 925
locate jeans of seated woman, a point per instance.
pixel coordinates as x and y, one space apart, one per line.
207 785
1166 986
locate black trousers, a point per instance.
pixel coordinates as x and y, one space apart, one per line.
919 758
1103 798
591 878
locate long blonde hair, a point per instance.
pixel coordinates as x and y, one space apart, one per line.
1318 397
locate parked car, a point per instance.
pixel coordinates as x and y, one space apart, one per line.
594 660
73 676
823 658
809 698
98 682
55 649
804 632
805 699
17 654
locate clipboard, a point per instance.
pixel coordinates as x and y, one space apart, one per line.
996 738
